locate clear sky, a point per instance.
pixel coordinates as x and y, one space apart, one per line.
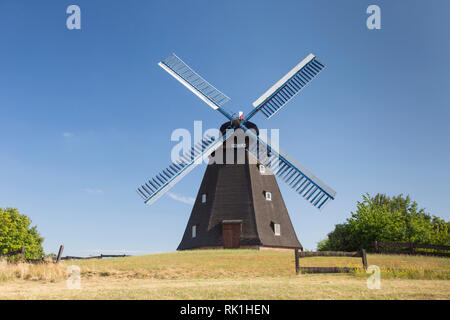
86 115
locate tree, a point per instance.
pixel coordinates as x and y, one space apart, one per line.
336 240
15 232
386 219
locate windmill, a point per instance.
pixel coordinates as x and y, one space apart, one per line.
240 205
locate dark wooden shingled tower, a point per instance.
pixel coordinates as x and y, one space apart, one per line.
232 211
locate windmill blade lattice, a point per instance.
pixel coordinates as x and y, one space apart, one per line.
287 87
194 82
167 178
301 180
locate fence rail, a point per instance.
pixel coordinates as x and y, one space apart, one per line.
306 254
21 251
95 257
410 248
58 258
300 269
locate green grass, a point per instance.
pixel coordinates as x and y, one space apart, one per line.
229 274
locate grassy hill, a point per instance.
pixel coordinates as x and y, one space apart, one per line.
228 274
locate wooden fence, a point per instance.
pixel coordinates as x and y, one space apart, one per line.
58 258
101 256
300 269
21 252
14 253
411 248
95 257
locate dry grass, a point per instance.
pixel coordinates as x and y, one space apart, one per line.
336 286
33 272
220 264
227 274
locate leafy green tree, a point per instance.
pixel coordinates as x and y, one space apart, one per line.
15 232
338 239
386 219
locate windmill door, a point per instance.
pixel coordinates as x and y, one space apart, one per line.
231 234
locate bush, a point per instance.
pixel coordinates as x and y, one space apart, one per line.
15 232
386 219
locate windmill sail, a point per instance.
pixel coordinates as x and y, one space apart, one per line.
167 178
300 179
287 87
194 82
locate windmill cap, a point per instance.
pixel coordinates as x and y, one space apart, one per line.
249 125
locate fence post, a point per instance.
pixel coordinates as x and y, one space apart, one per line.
297 267
364 258
376 246
58 258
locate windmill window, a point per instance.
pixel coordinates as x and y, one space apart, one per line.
204 198
276 229
268 196
262 169
194 231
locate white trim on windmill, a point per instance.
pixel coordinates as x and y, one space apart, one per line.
187 85
164 181
277 229
178 69
283 80
287 87
293 173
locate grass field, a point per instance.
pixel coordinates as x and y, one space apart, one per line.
227 274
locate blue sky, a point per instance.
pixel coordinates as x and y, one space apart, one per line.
86 115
